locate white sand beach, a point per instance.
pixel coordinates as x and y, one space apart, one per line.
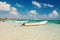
13 31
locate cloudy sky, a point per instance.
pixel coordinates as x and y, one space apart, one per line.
30 9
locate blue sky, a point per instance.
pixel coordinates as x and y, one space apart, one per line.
30 9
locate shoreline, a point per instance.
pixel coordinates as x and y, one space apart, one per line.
13 31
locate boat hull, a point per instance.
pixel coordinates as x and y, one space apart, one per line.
36 23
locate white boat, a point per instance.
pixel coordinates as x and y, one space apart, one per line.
35 23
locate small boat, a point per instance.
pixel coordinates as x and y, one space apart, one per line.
35 23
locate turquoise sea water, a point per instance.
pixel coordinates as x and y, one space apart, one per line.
49 21
32 21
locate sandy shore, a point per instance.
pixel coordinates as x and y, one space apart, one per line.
13 31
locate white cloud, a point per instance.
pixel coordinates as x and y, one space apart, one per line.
33 12
4 6
48 5
19 5
7 7
37 16
13 11
36 3
54 14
